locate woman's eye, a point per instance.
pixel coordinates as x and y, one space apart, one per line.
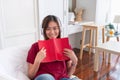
48 29
55 28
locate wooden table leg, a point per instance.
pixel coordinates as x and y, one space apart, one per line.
118 39
109 58
96 61
108 38
82 45
103 40
90 41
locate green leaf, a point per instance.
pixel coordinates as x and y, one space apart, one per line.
111 26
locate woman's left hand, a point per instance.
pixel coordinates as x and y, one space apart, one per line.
69 53
72 63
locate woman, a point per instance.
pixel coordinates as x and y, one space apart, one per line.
57 70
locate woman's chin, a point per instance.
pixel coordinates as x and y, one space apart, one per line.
52 37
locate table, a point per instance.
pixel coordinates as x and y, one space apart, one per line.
110 47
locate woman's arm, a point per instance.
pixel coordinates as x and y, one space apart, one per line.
33 68
71 68
71 65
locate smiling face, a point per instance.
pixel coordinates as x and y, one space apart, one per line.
52 31
51 27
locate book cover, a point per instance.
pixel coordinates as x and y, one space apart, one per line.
54 49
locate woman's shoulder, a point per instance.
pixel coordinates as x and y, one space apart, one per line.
35 45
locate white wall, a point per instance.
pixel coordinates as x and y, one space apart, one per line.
94 10
1 34
75 40
18 22
89 7
53 7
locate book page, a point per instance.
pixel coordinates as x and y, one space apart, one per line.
50 52
60 45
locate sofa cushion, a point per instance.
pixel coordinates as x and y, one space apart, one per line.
6 77
13 61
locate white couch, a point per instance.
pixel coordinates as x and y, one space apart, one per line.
13 65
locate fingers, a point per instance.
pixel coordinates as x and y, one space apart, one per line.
41 54
69 53
67 50
43 49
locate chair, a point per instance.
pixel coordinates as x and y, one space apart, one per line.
92 27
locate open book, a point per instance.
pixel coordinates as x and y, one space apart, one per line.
54 49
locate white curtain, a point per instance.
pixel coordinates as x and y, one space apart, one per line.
102 9
106 10
113 9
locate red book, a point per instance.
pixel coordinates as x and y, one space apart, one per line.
54 49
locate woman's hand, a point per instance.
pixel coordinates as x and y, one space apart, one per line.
41 55
33 68
72 63
69 53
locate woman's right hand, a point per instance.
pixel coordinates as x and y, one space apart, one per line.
41 55
33 68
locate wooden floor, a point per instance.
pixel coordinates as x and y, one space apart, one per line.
106 71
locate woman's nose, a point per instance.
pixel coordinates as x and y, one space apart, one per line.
52 31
